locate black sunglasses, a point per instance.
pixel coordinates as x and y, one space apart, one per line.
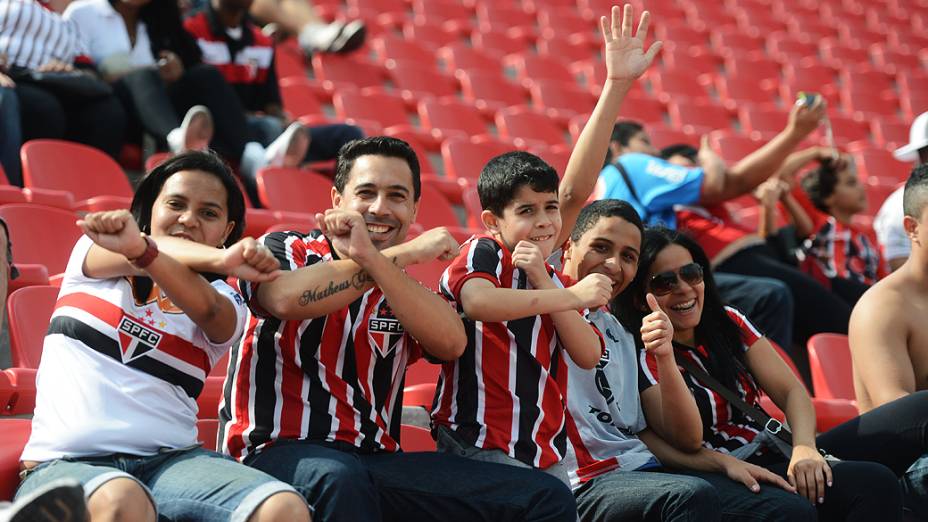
666 282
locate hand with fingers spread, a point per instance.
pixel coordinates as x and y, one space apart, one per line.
809 473
347 231
625 56
114 230
592 291
436 243
657 330
528 257
752 475
250 260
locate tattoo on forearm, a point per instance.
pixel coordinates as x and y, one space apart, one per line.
358 281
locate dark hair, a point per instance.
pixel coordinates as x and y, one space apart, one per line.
820 183
680 149
916 191
502 176
716 330
625 130
164 24
376 146
150 187
604 208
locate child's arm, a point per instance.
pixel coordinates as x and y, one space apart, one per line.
798 214
625 62
768 194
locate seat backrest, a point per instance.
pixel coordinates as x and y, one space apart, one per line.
298 97
451 115
832 369
29 311
206 432
521 122
434 209
384 108
464 158
59 233
83 171
294 190
414 438
15 433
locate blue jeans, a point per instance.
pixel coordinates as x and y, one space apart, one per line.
324 140
343 485
183 484
644 495
770 504
11 136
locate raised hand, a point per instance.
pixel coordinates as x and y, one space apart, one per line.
250 260
803 119
436 243
114 230
656 329
625 56
528 257
348 233
592 291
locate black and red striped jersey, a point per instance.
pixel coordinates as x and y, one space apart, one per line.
332 378
508 391
725 428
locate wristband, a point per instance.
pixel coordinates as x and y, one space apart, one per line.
149 255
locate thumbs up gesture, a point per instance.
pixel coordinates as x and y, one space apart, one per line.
656 329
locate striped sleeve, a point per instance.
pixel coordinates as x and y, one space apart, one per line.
292 250
647 370
749 333
479 257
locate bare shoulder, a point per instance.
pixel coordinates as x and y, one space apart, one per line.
884 311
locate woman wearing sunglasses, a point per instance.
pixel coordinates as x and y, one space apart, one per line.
710 338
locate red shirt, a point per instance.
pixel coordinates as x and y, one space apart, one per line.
712 227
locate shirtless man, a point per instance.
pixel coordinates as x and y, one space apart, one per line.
889 343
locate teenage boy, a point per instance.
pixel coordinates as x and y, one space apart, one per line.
315 389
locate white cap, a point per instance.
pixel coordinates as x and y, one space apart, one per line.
918 139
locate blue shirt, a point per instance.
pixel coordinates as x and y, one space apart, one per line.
659 185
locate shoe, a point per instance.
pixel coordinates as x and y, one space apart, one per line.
58 501
194 133
336 37
289 149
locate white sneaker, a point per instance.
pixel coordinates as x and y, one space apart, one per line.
336 37
194 133
58 501
289 149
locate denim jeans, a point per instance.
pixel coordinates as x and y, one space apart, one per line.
770 504
11 136
645 495
915 488
324 140
343 485
184 484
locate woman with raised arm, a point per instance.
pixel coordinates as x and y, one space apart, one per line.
726 363
142 316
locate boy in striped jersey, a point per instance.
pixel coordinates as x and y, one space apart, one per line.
315 389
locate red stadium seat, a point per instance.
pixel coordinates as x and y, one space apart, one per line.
421 394
889 133
866 106
528 128
428 274
753 68
208 400
867 80
915 103
662 137
809 28
691 60
566 22
531 68
464 158
15 433
681 33
561 101
29 311
847 129
58 229
390 47
557 157
289 60
422 372
737 91
461 56
732 147
830 361
812 73
378 13
762 123
673 85
841 55
17 386
416 82
565 48
447 117
453 16
786 48
498 42
891 60
337 72
294 190
414 438
382 108
510 19
94 179
429 34
299 99
490 91
412 138
880 163
698 118
733 41
435 210
207 430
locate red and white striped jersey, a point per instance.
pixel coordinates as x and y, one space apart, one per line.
120 373
508 391
332 378
725 428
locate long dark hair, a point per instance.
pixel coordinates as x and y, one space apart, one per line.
150 187
716 331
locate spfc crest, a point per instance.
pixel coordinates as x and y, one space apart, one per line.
136 339
384 330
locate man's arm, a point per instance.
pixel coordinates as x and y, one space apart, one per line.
762 163
878 337
625 62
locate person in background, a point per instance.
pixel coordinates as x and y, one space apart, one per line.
298 17
888 222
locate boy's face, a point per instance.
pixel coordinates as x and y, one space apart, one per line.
380 189
610 247
849 195
530 216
